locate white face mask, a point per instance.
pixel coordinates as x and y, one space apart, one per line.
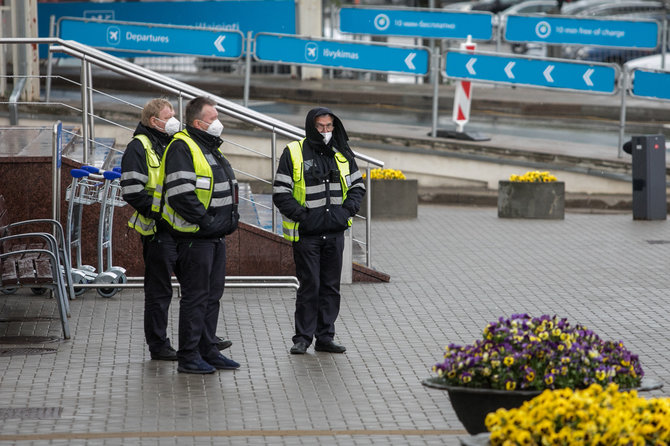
327 136
172 126
215 128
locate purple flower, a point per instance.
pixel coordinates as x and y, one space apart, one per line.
541 352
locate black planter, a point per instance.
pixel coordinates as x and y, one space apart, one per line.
472 405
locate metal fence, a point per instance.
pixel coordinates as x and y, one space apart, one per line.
99 150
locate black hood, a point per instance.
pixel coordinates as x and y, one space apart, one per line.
339 140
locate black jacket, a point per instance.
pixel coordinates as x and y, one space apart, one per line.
218 219
135 173
324 213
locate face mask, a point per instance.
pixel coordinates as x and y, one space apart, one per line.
172 126
215 128
327 136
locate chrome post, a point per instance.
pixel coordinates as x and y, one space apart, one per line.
368 218
84 109
180 109
91 114
273 158
56 153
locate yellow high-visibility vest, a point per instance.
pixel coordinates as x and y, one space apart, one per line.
202 170
290 227
142 224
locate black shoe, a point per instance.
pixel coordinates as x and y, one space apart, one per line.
167 353
223 344
329 346
299 348
222 363
199 367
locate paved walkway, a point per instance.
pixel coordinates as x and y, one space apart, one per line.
452 271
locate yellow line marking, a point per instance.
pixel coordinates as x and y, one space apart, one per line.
229 433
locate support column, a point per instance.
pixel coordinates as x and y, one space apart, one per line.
310 23
25 58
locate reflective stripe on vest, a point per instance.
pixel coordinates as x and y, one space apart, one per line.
140 223
290 227
202 170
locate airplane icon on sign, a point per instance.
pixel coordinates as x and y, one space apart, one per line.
311 51
113 35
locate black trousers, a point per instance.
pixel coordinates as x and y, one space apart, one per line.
201 271
318 265
160 255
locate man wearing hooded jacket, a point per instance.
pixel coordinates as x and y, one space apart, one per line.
318 189
197 193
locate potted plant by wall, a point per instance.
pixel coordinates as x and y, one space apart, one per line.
519 357
534 194
392 195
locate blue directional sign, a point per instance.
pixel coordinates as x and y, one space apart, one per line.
416 23
651 84
155 39
339 54
550 73
270 16
565 30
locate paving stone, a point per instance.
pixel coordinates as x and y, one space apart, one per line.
453 269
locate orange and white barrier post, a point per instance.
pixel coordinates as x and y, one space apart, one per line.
463 96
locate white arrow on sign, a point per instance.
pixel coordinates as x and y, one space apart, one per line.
508 70
547 73
217 44
587 77
408 61
470 65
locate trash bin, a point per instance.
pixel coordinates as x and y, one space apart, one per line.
649 184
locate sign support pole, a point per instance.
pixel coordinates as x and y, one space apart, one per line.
247 71
436 82
622 120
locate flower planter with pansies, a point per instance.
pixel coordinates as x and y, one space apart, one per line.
532 195
392 195
520 357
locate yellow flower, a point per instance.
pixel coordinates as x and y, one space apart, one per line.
595 415
386 174
523 438
533 177
508 361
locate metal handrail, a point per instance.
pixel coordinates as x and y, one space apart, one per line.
89 55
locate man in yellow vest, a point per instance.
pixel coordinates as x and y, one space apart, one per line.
198 195
318 189
139 166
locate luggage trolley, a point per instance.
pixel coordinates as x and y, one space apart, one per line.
109 199
89 186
